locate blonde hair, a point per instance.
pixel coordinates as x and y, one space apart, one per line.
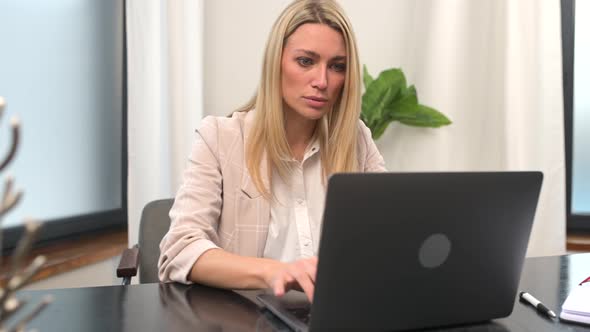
337 130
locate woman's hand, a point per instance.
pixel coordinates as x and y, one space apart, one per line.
298 275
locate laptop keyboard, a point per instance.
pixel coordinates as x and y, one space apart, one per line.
302 314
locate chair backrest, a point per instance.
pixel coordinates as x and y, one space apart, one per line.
153 225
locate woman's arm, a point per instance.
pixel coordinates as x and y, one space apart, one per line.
219 268
190 250
196 210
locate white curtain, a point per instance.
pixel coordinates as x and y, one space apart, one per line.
164 49
494 67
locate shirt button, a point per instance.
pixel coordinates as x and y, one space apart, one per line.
299 201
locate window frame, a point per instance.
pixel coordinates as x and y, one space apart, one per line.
575 222
64 229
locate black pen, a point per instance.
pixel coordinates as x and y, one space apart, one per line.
537 304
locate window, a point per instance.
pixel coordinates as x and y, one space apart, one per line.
62 72
576 81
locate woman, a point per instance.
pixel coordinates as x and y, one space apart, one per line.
248 214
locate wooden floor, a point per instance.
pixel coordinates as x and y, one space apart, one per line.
71 254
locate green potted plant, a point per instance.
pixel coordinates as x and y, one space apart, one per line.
388 98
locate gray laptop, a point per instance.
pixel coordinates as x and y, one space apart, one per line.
417 250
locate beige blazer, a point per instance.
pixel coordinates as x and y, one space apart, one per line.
219 202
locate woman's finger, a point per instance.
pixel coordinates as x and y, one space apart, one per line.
304 280
311 268
279 285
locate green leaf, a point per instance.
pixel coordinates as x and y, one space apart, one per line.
379 129
406 103
421 116
367 78
387 99
409 95
380 94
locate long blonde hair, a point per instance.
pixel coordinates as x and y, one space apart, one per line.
337 130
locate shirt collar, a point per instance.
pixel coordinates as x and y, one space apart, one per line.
312 148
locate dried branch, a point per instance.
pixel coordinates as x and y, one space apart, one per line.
9 199
11 305
25 243
21 279
17 276
20 326
2 105
13 147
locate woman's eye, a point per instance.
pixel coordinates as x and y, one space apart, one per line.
339 67
303 61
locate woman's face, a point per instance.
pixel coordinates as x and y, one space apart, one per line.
313 68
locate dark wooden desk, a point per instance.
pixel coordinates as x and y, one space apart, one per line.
172 307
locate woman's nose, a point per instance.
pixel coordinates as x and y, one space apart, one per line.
320 80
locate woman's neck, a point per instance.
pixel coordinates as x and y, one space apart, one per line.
299 131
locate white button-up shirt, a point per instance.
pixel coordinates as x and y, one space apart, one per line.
296 210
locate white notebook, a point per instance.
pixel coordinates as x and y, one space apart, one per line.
576 307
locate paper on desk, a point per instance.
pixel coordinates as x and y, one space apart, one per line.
574 318
577 305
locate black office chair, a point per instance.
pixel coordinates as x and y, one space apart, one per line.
153 225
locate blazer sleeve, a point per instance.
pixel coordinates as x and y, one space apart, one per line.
373 160
196 210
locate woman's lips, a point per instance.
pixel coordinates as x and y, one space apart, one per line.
315 102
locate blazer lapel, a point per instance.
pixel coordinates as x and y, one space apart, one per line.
248 186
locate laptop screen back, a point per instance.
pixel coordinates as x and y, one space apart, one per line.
416 250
